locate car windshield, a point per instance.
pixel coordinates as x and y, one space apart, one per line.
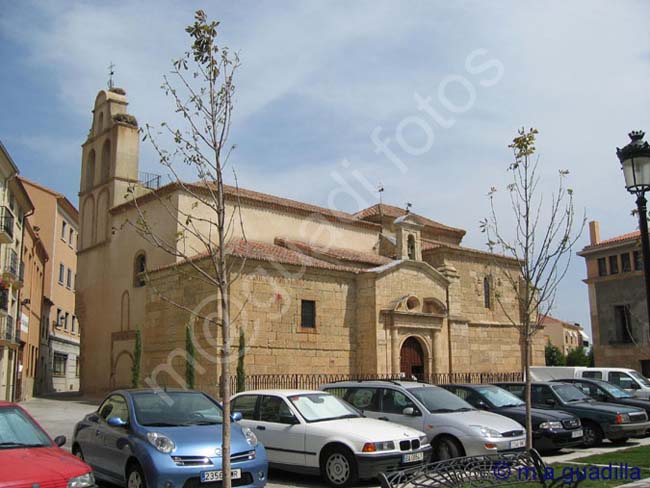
640 378
174 409
439 400
18 430
570 393
615 391
499 397
318 407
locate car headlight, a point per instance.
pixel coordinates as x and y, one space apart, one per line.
83 481
486 431
550 425
622 418
378 446
251 438
161 442
424 440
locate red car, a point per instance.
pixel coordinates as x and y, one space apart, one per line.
30 458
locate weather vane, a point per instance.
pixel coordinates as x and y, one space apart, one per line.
380 189
111 72
408 207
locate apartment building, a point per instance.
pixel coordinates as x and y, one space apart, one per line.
617 300
15 205
57 221
30 313
564 335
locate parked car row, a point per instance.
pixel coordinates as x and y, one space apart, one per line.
346 431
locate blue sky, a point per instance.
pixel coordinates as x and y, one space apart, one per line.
318 78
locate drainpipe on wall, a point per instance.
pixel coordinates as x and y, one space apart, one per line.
19 308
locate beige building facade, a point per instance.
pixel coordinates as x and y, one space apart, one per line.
380 292
57 221
14 206
617 300
564 335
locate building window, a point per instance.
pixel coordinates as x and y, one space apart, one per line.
76 367
410 242
602 267
613 264
486 292
64 230
638 266
69 279
139 270
59 364
67 321
623 320
74 324
626 263
59 317
71 238
61 273
308 314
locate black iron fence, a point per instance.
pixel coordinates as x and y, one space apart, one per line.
314 381
149 180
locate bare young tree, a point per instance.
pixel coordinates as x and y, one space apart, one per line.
541 243
201 87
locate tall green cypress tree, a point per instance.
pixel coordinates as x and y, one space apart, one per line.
241 372
189 348
137 357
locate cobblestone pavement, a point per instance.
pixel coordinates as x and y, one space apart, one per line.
59 415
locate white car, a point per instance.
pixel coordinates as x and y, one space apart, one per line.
313 431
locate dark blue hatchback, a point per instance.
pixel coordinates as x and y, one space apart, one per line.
147 438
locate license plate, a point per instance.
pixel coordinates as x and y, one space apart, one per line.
413 457
576 433
517 444
207 476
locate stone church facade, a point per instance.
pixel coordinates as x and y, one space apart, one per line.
380 292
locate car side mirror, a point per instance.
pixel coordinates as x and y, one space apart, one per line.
93 418
236 417
411 412
60 440
482 405
117 422
551 402
289 419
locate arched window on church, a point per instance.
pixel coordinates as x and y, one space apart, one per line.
90 170
411 246
106 161
487 292
100 123
139 269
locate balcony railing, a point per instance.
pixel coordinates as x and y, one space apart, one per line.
12 267
149 180
4 300
7 328
6 225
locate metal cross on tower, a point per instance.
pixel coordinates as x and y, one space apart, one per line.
111 72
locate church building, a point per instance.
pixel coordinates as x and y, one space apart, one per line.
380 292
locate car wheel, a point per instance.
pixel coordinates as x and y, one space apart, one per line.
339 467
135 477
593 435
446 448
620 441
76 451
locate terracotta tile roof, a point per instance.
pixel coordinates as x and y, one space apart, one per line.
255 197
430 246
392 211
614 240
263 251
63 200
335 253
548 320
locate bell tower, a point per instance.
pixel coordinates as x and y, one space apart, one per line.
407 233
109 164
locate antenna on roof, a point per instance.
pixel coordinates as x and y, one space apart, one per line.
380 190
111 72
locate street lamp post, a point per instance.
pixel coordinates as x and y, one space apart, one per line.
635 162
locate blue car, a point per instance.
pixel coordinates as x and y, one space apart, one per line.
156 439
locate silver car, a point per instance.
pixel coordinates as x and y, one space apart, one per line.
453 426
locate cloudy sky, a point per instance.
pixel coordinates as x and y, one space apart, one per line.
445 84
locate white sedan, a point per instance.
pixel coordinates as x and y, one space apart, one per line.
313 431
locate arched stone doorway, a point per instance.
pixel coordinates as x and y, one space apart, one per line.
412 359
